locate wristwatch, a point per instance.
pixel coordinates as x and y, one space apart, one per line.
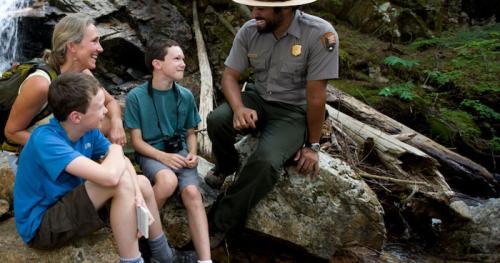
313 146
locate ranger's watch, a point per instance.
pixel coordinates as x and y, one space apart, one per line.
313 146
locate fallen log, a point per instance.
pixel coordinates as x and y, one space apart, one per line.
206 87
462 173
405 163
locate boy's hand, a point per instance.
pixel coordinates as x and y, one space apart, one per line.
173 160
192 160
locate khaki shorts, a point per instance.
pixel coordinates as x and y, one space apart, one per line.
71 217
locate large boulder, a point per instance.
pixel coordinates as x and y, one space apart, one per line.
97 247
335 211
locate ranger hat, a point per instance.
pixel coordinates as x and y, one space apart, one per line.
273 3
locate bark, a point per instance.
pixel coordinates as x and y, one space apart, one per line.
461 172
206 87
416 176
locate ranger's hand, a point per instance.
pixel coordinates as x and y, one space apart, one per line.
244 118
307 162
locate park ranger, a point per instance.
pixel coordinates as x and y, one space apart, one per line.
292 56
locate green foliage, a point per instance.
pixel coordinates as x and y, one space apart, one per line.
495 144
403 91
426 43
396 61
463 121
442 78
457 39
483 110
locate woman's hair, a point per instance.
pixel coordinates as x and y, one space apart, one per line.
69 29
157 50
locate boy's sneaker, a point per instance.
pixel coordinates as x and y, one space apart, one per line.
188 256
215 179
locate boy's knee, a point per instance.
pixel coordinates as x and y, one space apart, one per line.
166 178
125 186
191 193
144 185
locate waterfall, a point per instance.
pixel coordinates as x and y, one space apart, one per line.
8 30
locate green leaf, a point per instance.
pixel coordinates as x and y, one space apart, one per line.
395 61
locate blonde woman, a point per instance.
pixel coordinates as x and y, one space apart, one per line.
75 48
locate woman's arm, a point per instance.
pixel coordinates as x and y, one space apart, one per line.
27 105
116 132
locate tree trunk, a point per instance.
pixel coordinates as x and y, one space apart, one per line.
206 89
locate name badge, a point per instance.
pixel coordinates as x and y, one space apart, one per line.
296 50
252 55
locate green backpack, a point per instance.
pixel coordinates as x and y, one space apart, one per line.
9 89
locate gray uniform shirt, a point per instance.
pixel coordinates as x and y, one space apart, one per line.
283 66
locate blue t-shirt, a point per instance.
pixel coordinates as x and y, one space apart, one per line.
41 179
173 113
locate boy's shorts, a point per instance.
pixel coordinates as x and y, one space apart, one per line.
71 217
185 176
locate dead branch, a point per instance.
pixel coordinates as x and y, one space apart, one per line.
206 89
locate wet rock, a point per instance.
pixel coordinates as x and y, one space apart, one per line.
97 247
4 207
6 180
159 20
94 9
479 239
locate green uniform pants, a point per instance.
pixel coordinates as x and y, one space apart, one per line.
282 130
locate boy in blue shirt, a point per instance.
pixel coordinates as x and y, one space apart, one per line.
61 191
162 116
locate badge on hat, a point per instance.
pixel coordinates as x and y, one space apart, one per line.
329 41
296 50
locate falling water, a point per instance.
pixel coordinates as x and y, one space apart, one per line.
8 30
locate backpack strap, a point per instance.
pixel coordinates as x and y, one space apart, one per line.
46 111
49 70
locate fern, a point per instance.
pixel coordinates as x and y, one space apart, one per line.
483 110
395 61
442 78
403 91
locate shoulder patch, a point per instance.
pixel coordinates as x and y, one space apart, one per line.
329 41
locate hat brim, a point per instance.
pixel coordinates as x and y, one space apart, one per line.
273 3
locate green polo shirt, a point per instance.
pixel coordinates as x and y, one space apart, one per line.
283 66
